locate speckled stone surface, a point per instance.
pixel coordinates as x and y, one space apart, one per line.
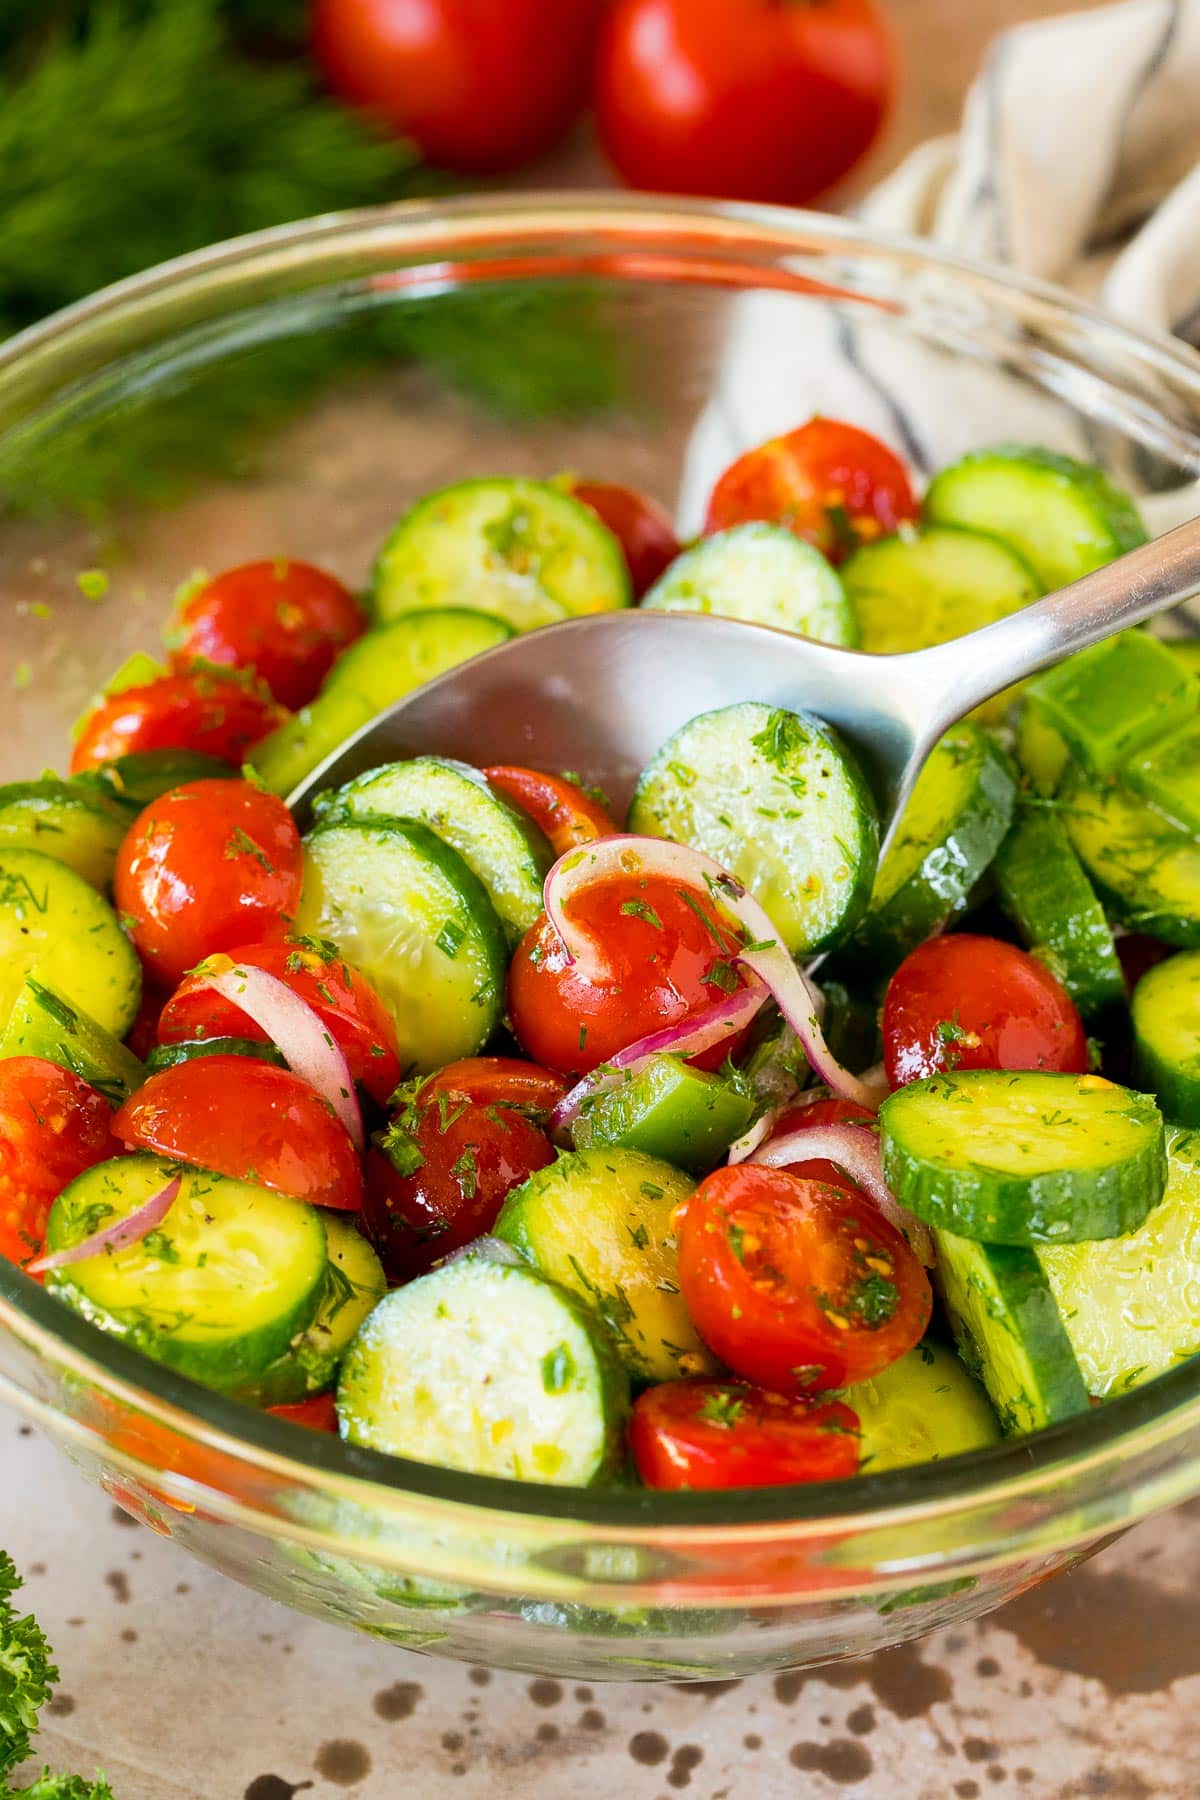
187 1687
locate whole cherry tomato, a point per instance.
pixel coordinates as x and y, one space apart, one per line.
830 483
564 811
318 1414
53 1126
201 709
965 1002
207 867
797 1285
665 953
345 1002
284 621
250 1120
809 1118
718 1434
479 85
641 526
769 100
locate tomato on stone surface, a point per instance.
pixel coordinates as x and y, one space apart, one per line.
798 1285
966 1002
641 526
318 1414
285 621
566 812
716 1434
828 482
811 1117
53 1126
206 867
249 1120
200 709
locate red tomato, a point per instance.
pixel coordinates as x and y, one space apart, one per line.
665 952
217 715
480 85
250 1120
319 1413
498 1081
964 1002
207 867
346 1003
641 526
715 1434
568 814
797 1284
828 482
53 1126
808 1118
742 99
286 621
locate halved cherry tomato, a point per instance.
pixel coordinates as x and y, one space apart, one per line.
641 526
346 1003
218 715
250 1120
567 813
666 954
720 1434
206 867
318 1414
966 1002
808 1118
829 482
286 621
796 1284
53 1126
498 1081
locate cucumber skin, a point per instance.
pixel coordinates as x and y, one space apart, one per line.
1044 890
72 893
43 1024
309 1365
1176 1087
167 1056
1179 929
681 1115
105 822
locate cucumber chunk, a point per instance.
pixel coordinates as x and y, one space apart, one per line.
526 552
498 844
1144 866
1168 775
144 775
1024 1158
1045 892
778 800
1131 1305
599 1223
354 1285
1064 517
166 1056
763 574
954 823
55 926
1041 751
43 1024
1188 652
1111 701
1166 1035
405 910
75 822
669 1110
921 1409
218 1291
1009 1332
486 1366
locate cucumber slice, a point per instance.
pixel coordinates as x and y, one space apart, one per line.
598 1222
485 1366
405 910
669 1110
1144 866
921 1409
1166 1035
952 827
1111 701
1064 517
217 1292
75 822
57 927
1045 892
763 574
353 1287
166 1056
43 1024
1131 1305
526 552
144 775
1041 751
498 844
1168 775
1024 1158
1188 652
778 800
1009 1332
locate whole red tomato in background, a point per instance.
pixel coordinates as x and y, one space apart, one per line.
771 100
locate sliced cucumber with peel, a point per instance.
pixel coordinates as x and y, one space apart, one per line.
43 1024
56 927
1166 1035
763 574
1168 776
1112 701
670 1110
167 1056
353 1287
1045 892
142 776
1144 866
921 1409
75 822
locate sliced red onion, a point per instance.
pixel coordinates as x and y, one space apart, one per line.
855 1149
300 1035
745 1146
118 1236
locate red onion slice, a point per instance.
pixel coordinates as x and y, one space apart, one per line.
118 1236
300 1035
855 1149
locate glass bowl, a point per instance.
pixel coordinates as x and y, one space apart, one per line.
648 341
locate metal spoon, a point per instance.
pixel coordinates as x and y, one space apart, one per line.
599 695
